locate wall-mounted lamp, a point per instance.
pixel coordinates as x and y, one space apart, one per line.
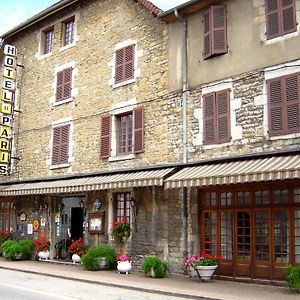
97 204
61 207
132 202
81 203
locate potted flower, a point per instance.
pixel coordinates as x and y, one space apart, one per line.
42 247
120 232
123 262
204 264
77 248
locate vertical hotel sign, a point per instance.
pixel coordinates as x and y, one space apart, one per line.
7 107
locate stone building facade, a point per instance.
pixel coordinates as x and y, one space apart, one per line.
237 108
90 126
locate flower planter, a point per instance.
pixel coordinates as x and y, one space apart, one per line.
205 272
124 266
44 255
103 263
75 258
18 256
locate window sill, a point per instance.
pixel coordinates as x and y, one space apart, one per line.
116 85
57 103
65 165
62 48
121 157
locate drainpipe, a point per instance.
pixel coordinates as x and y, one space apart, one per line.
184 130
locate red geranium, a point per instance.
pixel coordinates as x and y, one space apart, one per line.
41 245
77 247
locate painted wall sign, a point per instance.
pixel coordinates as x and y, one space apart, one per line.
7 107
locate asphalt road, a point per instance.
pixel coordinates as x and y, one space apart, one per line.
16 285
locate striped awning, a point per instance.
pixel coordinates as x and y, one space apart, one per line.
244 171
84 184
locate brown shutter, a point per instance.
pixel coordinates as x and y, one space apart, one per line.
272 18
124 64
67 83
64 84
207 35
219 40
60 147
292 86
275 102
56 146
223 117
59 86
129 62
64 145
105 136
288 16
209 126
119 65
138 117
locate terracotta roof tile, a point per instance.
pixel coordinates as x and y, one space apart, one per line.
150 6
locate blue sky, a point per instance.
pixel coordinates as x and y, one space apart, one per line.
14 12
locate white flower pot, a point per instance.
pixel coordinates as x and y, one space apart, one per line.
124 266
205 272
75 258
44 255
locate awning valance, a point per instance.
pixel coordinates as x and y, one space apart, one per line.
84 184
253 170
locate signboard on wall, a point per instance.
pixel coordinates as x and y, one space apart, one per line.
7 107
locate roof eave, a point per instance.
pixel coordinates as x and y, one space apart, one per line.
38 17
186 9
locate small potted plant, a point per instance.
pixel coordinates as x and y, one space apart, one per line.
123 262
42 247
77 248
204 264
155 267
120 232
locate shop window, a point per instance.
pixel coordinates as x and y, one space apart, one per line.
296 194
215 35
122 206
297 236
226 199
210 199
210 234
280 196
280 17
262 234
281 236
6 216
243 198
261 197
226 235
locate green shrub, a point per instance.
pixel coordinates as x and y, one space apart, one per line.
11 248
159 267
294 278
91 261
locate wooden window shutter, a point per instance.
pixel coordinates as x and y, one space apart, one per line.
215 32
60 86
275 101
124 65
105 136
56 146
209 126
138 117
272 18
219 35
60 147
292 96
223 115
280 17
64 84
207 34
288 16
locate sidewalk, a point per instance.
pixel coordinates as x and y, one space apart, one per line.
183 286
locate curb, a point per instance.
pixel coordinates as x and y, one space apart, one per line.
117 285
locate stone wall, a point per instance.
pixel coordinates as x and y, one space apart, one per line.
100 25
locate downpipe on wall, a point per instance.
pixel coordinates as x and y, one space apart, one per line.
184 130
